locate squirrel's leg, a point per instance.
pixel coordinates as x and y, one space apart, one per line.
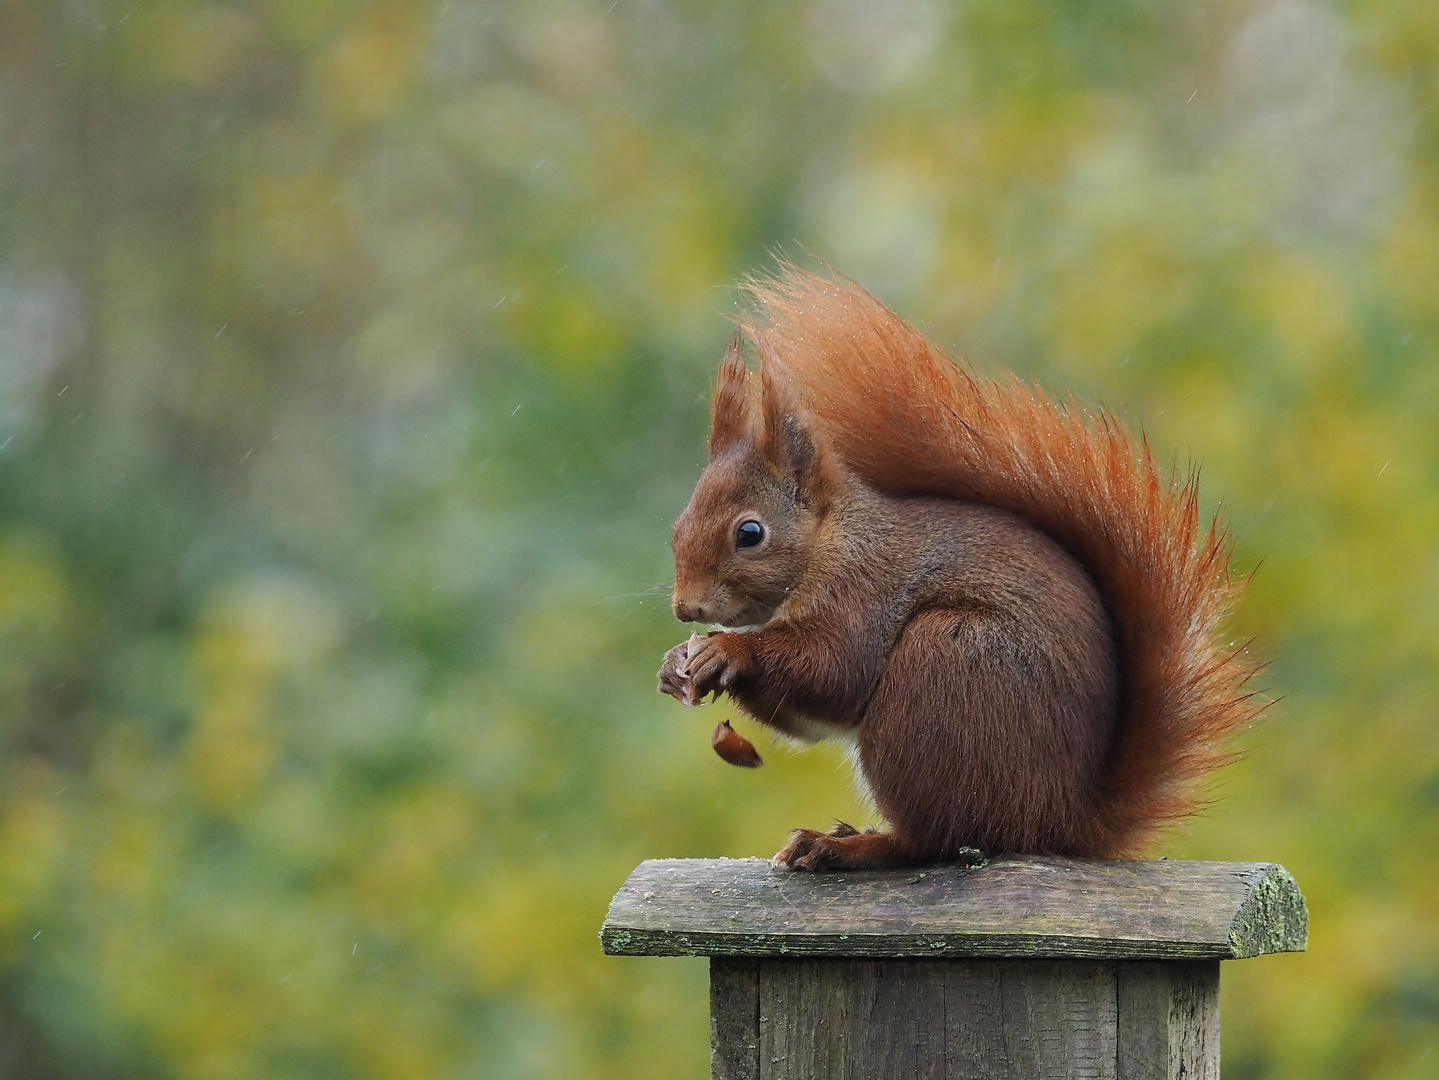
908 751
938 742
974 738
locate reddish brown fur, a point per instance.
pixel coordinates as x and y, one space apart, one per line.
1001 598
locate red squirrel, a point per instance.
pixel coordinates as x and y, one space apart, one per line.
1000 599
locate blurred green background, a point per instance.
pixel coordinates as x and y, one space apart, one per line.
353 363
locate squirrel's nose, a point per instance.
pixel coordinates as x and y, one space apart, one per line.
687 612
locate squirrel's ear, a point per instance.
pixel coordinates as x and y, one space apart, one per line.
788 443
730 411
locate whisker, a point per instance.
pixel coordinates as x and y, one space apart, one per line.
653 590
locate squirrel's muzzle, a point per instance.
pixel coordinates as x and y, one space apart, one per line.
685 611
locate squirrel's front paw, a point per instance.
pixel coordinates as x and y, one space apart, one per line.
674 673
700 666
714 663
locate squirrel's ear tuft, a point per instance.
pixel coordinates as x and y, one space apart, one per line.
730 411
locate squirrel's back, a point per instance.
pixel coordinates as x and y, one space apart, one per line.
909 421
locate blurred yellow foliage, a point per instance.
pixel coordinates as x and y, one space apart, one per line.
1311 311
198 45
366 71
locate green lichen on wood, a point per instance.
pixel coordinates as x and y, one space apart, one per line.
1274 918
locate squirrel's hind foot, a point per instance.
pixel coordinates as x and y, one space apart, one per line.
842 848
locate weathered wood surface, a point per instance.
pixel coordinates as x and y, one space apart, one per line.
734 1018
1168 1019
1012 907
820 1019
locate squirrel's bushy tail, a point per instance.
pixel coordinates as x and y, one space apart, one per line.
903 416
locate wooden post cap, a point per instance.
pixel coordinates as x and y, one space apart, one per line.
1044 908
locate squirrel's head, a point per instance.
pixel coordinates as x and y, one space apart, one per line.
752 525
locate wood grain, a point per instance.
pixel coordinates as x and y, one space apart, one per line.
1168 1020
938 1019
734 1018
1014 907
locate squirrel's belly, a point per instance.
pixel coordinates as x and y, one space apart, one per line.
809 730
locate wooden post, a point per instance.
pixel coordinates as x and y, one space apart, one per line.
1025 967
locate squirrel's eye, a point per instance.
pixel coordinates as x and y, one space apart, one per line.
748 534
